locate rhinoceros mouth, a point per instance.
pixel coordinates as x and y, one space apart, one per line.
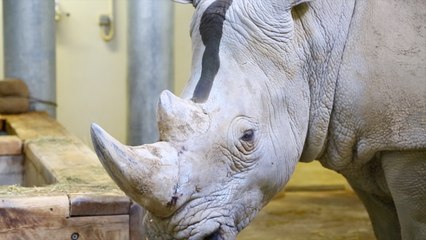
218 228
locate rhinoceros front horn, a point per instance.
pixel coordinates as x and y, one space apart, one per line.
147 173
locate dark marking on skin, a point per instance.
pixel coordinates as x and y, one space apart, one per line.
181 151
211 29
175 197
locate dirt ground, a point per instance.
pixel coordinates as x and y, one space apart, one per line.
316 205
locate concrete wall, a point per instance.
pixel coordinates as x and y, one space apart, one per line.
91 73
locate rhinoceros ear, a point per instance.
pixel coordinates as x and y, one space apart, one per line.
194 2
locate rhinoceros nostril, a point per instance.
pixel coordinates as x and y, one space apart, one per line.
214 236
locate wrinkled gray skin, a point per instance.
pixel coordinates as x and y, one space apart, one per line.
341 81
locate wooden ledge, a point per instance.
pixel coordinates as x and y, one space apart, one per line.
63 177
65 163
10 146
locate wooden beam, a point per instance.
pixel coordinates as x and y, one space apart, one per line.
33 125
33 176
57 156
74 194
41 174
48 218
69 162
82 204
10 145
99 227
31 212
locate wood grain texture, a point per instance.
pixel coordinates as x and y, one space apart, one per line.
33 177
31 212
48 218
67 190
33 125
55 159
82 204
67 160
10 145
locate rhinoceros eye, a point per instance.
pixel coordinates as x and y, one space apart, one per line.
248 135
247 141
244 135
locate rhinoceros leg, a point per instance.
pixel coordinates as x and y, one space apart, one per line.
405 174
383 215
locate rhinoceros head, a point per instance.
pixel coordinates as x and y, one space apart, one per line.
231 142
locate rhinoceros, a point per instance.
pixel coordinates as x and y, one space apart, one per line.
275 82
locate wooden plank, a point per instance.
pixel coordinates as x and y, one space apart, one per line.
96 228
31 212
67 160
98 204
48 218
11 170
54 156
137 230
36 161
81 228
34 177
96 208
10 145
33 125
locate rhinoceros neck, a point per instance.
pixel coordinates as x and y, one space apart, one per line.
379 103
326 26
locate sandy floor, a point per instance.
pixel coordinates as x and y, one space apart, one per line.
317 204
